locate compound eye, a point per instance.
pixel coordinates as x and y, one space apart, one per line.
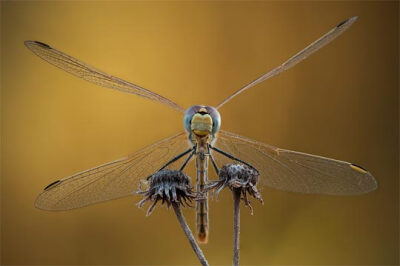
216 117
190 112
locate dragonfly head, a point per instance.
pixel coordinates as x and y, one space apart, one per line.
202 120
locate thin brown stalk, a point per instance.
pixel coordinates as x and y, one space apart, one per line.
189 234
236 226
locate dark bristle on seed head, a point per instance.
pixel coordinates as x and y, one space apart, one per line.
169 186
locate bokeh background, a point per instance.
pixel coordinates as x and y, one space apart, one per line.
342 103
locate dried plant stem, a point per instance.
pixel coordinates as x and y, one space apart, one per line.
189 234
236 225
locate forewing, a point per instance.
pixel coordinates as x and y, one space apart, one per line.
112 180
297 58
295 171
88 73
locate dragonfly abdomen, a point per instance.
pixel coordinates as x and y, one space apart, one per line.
201 180
202 221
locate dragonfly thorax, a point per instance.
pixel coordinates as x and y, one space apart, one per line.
201 121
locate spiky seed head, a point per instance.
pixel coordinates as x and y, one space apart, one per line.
169 186
240 178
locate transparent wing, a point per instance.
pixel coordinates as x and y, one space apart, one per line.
295 171
297 58
88 73
111 180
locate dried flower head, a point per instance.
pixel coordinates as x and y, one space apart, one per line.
169 186
238 177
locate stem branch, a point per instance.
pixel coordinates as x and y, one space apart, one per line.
236 226
189 234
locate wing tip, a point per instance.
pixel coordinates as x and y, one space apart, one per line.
372 186
373 183
358 168
370 180
348 22
29 43
38 203
51 185
43 205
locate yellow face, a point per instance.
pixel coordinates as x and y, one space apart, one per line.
202 123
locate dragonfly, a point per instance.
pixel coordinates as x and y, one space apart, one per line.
202 140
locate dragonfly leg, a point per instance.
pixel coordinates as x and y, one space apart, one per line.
175 159
188 158
213 161
230 156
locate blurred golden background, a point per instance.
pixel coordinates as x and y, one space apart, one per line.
341 103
